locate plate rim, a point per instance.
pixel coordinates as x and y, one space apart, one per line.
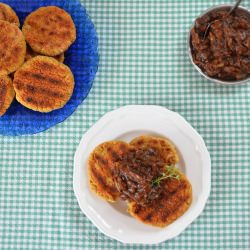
206 173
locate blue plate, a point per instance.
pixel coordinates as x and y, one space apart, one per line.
82 58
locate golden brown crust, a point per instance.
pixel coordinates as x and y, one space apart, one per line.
8 14
49 30
100 164
177 195
165 148
31 54
43 84
7 93
12 48
172 204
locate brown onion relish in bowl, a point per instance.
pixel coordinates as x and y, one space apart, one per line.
223 55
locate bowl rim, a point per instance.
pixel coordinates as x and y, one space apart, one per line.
214 80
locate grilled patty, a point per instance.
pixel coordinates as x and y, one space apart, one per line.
12 48
43 84
164 147
175 196
49 30
173 202
7 93
117 169
100 166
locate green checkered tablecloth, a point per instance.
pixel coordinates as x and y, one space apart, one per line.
143 60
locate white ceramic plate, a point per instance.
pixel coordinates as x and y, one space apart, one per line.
124 124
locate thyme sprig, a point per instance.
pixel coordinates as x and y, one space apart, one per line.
170 173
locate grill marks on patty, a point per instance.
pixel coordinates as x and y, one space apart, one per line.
43 84
37 84
102 182
172 203
100 167
33 77
175 196
7 93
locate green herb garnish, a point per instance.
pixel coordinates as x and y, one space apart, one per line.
170 173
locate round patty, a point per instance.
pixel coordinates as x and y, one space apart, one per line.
172 203
163 146
8 14
100 165
43 84
7 93
49 30
175 196
12 48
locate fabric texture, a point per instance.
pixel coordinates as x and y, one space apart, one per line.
143 60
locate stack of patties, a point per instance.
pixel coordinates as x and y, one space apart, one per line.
12 53
142 173
41 81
